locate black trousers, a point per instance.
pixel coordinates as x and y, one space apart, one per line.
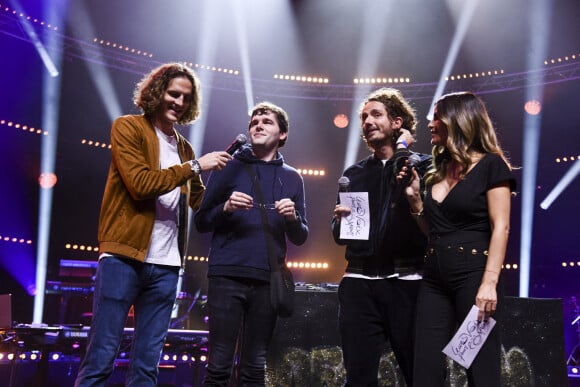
372 312
452 276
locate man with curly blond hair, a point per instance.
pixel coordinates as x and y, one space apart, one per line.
153 176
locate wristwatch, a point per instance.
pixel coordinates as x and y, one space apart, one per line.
195 167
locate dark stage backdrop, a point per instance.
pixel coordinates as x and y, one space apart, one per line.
306 347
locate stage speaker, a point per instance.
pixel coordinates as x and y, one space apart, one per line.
305 349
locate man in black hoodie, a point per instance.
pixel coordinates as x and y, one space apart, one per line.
239 269
378 292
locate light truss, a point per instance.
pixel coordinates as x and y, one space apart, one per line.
90 51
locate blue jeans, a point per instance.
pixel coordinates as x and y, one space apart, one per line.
120 283
239 312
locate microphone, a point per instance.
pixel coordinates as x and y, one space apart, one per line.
343 183
240 140
413 160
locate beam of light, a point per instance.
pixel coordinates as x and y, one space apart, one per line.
196 131
354 129
530 160
240 21
82 26
372 36
561 186
539 31
40 48
51 97
464 21
206 54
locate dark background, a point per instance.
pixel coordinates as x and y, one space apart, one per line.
339 40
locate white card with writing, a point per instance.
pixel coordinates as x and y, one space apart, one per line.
357 224
469 338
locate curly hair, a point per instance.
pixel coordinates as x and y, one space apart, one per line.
281 116
148 94
469 129
395 104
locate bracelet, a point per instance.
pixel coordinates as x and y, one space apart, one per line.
403 142
418 213
195 167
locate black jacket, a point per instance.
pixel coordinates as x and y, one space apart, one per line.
395 244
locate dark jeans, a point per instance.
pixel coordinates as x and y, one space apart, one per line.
119 284
452 276
370 313
239 313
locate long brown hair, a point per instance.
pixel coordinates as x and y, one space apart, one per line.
469 129
148 94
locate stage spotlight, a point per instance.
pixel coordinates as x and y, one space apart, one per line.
47 180
341 121
533 107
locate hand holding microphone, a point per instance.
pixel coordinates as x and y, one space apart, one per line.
340 210
219 159
408 181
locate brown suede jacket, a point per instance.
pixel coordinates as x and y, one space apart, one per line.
134 182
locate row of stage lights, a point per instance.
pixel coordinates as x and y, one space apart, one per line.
122 47
34 356
12 239
488 73
312 172
510 266
74 246
183 358
561 59
96 144
571 264
567 159
28 18
384 81
301 78
10 356
23 127
289 264
213 68
135 51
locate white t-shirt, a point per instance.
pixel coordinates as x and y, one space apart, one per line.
163 249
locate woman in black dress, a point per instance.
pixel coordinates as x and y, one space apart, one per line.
466 212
